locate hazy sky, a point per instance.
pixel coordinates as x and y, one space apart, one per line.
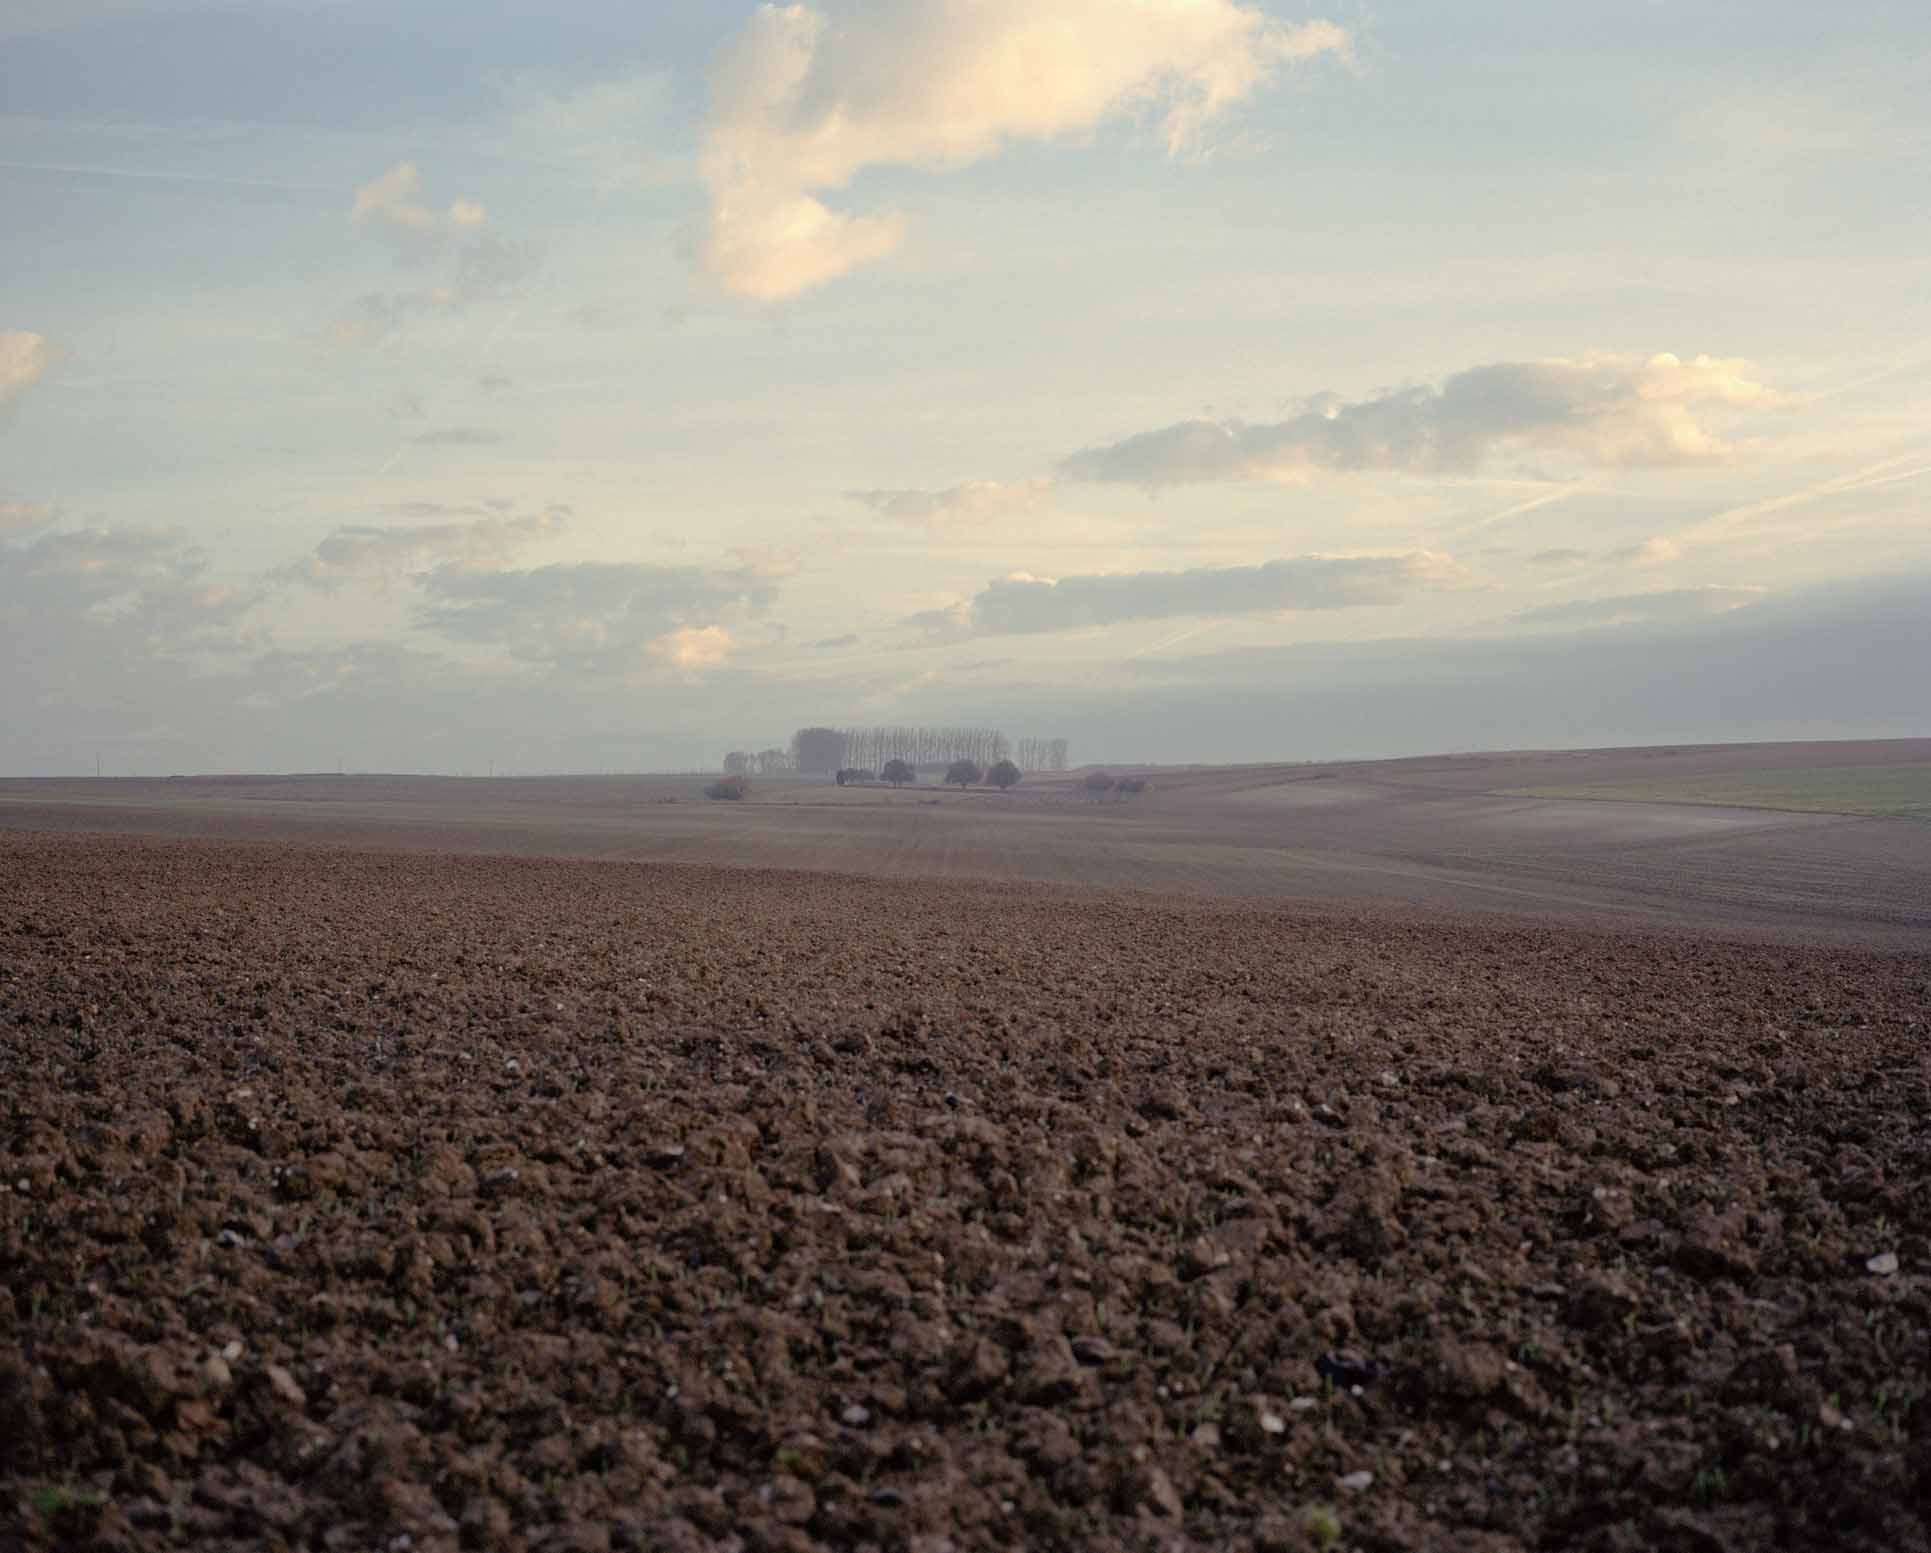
412 384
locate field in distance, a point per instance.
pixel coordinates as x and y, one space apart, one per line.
1813 840
1903 791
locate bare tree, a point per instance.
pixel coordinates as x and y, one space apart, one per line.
923 748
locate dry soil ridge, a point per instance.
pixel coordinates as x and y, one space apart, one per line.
540 1204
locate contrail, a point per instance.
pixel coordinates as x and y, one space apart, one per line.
1898 368
209 179
1176 639
1516 511
1812 534
1884 472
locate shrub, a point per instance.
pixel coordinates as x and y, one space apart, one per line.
1131 785
1098 782
964 772
730 787
1003 775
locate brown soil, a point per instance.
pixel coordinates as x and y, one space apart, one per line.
353 1198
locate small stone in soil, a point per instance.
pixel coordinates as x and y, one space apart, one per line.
1347 1372
1883 1264
283 1385
1355 1482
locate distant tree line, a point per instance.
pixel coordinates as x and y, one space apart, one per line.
1031 754
821 751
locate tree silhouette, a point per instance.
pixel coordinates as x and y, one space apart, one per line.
898 773
816 751
1003 775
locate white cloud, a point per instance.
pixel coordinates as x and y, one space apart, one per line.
1611 411
463 263
360 550
805 98
132 590
690 648
1658 551
24 360
959 506
389 204
1675 604
1022 603
597 616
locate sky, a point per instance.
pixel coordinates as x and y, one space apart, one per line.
595 385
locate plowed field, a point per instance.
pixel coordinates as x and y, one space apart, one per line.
401 1200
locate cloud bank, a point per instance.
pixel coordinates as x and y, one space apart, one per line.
1605 411
1021 604
805 97
1832 662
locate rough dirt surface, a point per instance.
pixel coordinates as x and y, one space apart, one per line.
355 1197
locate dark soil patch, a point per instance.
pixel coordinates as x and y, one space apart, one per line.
352 1198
